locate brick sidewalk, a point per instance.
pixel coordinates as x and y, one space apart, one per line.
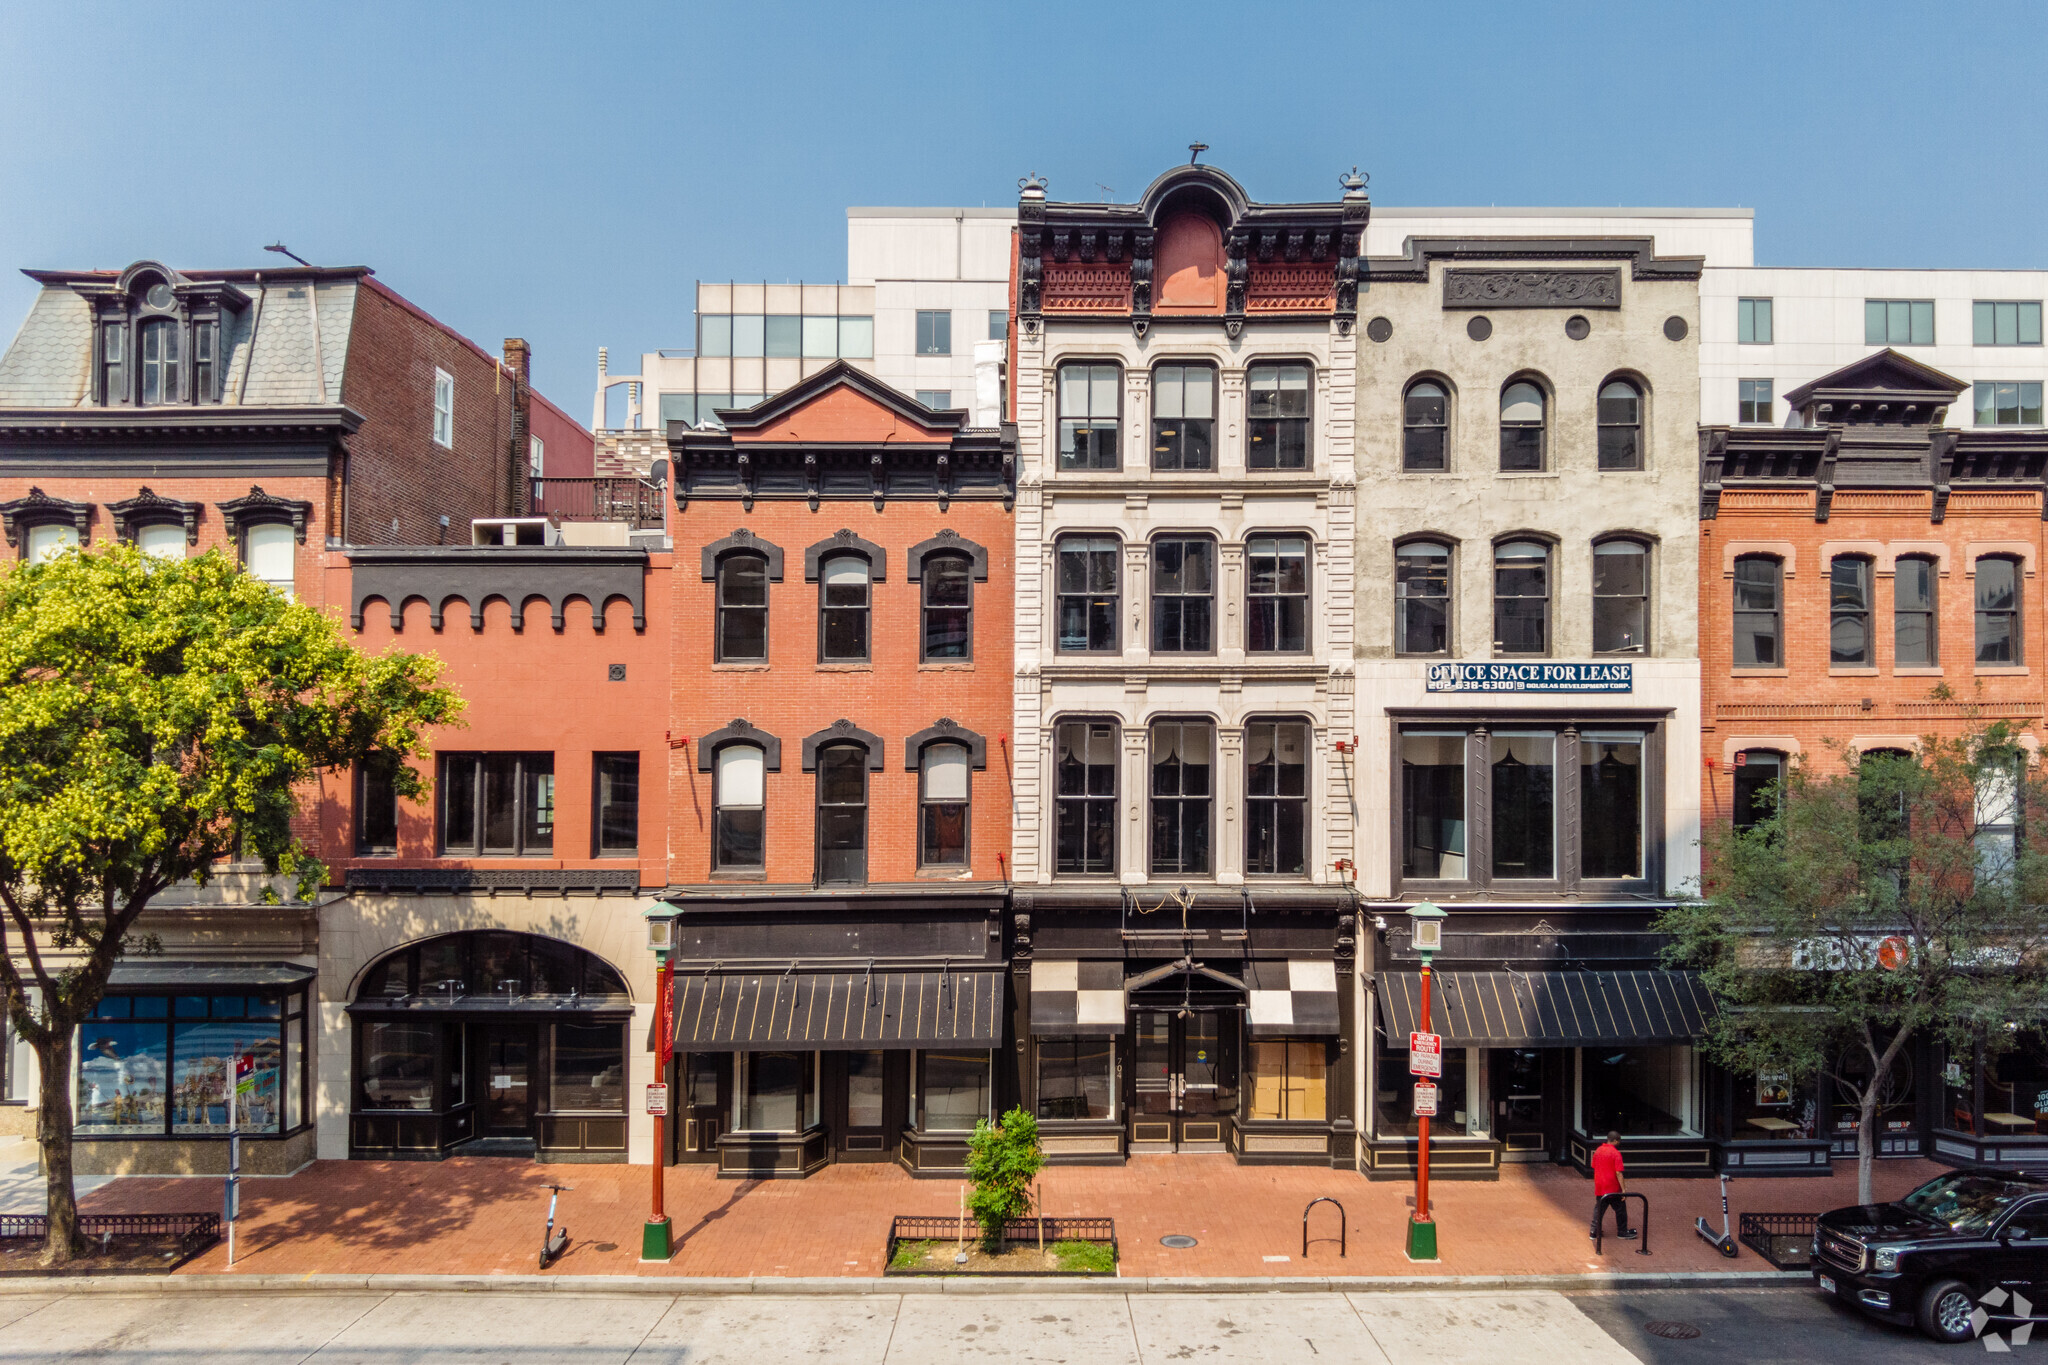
483 1216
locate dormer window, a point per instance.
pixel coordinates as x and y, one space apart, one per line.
157 336
159 359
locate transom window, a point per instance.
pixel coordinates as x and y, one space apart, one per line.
843 814
1522 408
1184 595
497 803
1915 624
1422 597
1090 401
1621 597
1279 417
1521 597
843 609
1276 797
1998 611
1182 792
1621 426
1183 417
1084 773
739 785
948 608
1759 601
1849 611
1087 586
942 807
1425 427
742 628
1276 610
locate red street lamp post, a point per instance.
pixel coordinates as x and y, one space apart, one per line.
1428 938
655 1243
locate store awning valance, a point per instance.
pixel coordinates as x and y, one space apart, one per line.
840 1010
1072 999
157 973
1291 998
1547 1009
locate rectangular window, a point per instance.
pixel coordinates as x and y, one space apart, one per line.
948 590
1181 797
1759 603
742 627
938 400
843 815
821 338
1183 417
856 338
588 1069
397 1065
1610 806
1637 1091
1998 611
111 338
1422 598
617 783
1090 403
738 794
1183 595
160 361
1621 597
1754 406
150 1066
777 1091
1914 642
843 610
1084 769
1849 611
1898 322
678 407
2000 323
444 409
714 334
1753 322
2008 403
953 1090
1425 427
749 335
1433 805
1276 797
1076 1078
1086 579
934 331
497 804
1524 809
1521 598
998 324
1289 1079
203 334
783 337
1276 592
1995 831
536 456
942 807
268 553
864 1080
376 806
1757 774
1278 417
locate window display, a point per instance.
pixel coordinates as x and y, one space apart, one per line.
589 1068
1394 1094
1076 1078
397 1066
156 1066
1636 1091
778 1091
953 1088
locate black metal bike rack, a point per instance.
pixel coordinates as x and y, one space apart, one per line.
1343 1226
1600 1228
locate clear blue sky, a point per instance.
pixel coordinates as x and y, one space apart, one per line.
565 171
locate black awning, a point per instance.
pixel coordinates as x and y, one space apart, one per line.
839 1011
1547 1009
146 973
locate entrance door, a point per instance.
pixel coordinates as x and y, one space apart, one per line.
1185 1072
1524 1105
707 1094
507 1060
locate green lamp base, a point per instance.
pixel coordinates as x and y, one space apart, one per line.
654 1243
1421 1240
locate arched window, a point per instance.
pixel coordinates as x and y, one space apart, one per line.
1425 427
1183 595
1522 420
1276 797
1521 597
1759 612
1086 583
1422 598
948 608
1621 597
1183 417
1278 417
1085 785
1090 403
1915 622
1759 775
843 814
1849 611
942 807
1621 425
843 610
267 553
1998 610
46 541
742 633
1183 795
739 798
160 361
1276 592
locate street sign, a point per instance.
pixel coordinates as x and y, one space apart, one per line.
1425 1100
1425 1054
657 1100
245 1074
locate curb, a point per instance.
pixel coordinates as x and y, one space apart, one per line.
694 1287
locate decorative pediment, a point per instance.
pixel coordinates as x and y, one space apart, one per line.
741 541
740 731
1884 386
149 508
260 507
846 541
843 731
948 731
948 542
40 509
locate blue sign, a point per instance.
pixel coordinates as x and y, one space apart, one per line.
1532 677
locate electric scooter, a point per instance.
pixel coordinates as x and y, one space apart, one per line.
1725 1243
552 1242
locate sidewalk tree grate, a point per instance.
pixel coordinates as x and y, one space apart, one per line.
1178 1240
1672 1331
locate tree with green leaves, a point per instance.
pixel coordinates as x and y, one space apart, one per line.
1884 901
156 717
1002 1161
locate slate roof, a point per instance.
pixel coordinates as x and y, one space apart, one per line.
46 365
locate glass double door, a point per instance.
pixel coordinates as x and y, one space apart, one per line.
1184 1074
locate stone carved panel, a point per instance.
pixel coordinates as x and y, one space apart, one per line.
1532 288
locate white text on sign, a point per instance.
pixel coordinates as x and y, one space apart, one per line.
1425 1054
1425 1100
657 1100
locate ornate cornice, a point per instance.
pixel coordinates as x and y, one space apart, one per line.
40 509
842 731
744 541
945 730
845 541
740 732
149 508
258 507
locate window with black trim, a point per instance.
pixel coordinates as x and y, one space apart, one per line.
1621 425
1090 405
1183 794
843 815
1523 418
497 804
269 549
1756 785
1276 797
1183 417
1759 601
948 591
376 806
1276 595
1087 579
843 592
1425 428
1916 640
942 806
1278 417
1621 597
1422 597
742 629
1183 595
1085 785
616 786
738 800
1998 610
160 363
1521 597
1849 611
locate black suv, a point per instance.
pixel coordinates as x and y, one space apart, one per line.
1975 1238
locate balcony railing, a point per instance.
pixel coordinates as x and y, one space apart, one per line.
634 501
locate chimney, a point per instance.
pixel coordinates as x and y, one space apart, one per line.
519 359
518 487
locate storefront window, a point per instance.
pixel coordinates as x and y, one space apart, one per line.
778 1091
954 1087
152 1065
1636 1091
1433 805
1076 1078
864 1090
1772 1104
203 1075
121 1072
589 1068
2016 1088
1894 1100
1394 1094
1288 1078
398 1066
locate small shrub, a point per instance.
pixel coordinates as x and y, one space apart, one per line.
1098 1257
1002 1160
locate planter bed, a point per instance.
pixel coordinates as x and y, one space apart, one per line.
1073 1247
117 1243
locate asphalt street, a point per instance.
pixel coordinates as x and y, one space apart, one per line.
1366 1328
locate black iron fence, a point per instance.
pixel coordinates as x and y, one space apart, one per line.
195 1232
1783 1239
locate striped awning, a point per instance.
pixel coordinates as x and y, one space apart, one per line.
1292 998
1547 1009
839 1011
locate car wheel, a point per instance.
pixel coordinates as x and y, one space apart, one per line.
1945 1308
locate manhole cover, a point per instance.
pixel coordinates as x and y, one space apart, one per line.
1176 1239
1672 1331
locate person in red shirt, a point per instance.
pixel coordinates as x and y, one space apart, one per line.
1608 1184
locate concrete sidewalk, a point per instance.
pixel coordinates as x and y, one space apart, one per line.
22 1187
